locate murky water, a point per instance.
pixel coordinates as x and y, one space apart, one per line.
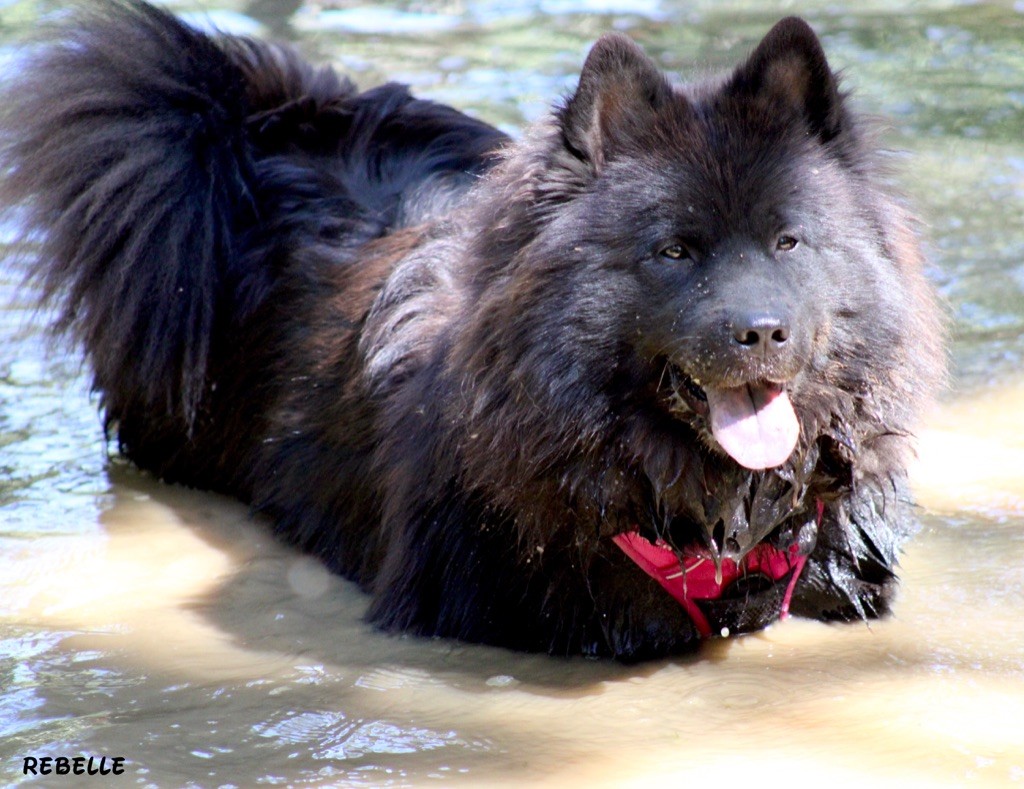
149 622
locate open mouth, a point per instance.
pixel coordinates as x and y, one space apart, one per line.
684 393
754 423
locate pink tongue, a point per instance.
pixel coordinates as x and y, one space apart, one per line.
755 424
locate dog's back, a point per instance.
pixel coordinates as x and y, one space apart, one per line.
170 177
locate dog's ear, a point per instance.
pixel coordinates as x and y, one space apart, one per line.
789 67
619 91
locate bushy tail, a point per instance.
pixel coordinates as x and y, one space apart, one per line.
124 140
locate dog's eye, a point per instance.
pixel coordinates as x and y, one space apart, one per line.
675 252
786 243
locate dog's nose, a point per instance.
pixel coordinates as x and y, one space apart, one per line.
761 332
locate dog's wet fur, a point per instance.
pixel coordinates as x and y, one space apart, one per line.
452 365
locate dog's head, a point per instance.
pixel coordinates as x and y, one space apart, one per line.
706 274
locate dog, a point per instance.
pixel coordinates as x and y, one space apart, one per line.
646 376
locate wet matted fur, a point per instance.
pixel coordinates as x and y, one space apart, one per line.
454 366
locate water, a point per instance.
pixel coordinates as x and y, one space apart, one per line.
163 625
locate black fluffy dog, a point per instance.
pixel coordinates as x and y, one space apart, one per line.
646 376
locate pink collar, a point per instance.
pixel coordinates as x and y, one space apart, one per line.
694 578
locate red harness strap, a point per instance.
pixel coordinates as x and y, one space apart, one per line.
694 578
